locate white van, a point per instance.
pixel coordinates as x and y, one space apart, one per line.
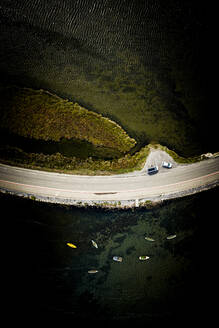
167 165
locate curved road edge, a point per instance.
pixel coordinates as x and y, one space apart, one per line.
114 191
109 203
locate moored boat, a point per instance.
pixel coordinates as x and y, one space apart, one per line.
92 271
94 243
143 257
149 239
71 245
117 258
171 237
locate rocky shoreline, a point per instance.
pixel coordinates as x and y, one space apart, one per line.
122 204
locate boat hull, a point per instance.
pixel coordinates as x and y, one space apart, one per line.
171 237
71 245
149 239
143 258
117 258
94 243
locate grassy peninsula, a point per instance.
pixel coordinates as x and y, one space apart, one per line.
37 115
40 115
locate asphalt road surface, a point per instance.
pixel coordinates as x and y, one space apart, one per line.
104 188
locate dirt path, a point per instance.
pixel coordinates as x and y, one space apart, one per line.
155 157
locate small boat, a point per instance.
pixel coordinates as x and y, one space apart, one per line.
117 258
149 239
92 271
143 257
94 244
171 237
71 245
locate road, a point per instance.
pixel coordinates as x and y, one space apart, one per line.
180 179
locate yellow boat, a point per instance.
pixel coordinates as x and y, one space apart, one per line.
71 245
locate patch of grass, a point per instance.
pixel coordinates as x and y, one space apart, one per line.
40 115
175 156
89 166
142 101
74 165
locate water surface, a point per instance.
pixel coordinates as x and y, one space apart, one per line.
46 277
147 65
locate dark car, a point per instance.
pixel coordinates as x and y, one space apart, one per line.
153 169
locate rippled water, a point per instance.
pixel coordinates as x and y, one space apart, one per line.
45 277
148 65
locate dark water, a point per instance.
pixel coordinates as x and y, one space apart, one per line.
45 278
148 65
67 147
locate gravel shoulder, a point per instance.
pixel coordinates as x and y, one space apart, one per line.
155 157
129 189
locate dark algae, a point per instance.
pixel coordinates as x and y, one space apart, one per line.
53 279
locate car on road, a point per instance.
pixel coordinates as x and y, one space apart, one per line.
167 165
153 169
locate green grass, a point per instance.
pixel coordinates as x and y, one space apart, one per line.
58 162
73 165
149 105
40 115
175 156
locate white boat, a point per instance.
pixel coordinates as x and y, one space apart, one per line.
171 237
149 239
117 258
143 257
94 243
92 271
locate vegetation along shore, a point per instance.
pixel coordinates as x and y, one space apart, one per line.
37 115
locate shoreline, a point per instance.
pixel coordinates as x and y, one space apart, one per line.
131 190
57 161
147 203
